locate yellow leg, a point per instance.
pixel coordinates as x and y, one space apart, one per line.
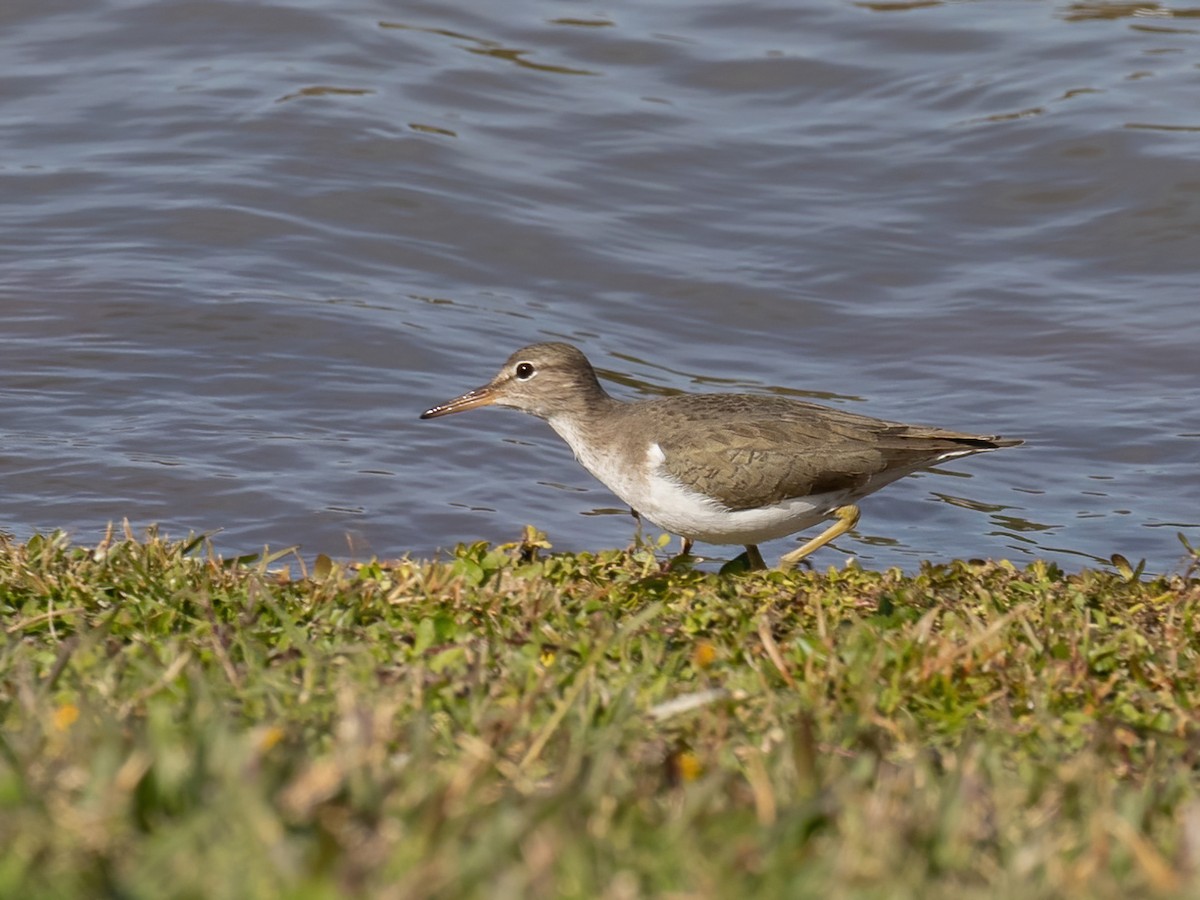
846 518
755 558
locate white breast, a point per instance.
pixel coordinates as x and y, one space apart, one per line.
627 482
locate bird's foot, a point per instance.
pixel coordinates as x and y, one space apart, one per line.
749 561
683 557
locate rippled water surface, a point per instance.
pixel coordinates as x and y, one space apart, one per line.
245 244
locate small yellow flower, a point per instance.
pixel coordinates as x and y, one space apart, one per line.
269 737
65 716
688 766
704 655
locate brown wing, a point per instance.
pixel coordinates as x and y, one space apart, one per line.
747 451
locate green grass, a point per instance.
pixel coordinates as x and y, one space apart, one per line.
516 723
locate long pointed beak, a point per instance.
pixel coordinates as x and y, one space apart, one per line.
481 396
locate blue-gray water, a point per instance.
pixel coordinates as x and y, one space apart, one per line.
246 243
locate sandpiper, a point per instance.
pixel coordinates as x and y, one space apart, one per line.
719 468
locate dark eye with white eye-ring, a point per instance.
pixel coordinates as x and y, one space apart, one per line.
525 371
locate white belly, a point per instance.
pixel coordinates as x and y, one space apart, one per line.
675 508
685 512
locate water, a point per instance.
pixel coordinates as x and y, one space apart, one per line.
245 244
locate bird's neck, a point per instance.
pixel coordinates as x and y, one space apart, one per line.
589 425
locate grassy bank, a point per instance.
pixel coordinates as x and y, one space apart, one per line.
516 723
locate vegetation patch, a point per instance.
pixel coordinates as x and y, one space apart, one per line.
518 723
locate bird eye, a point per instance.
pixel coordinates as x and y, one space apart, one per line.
525 371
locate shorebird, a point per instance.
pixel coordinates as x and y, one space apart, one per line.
719 468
